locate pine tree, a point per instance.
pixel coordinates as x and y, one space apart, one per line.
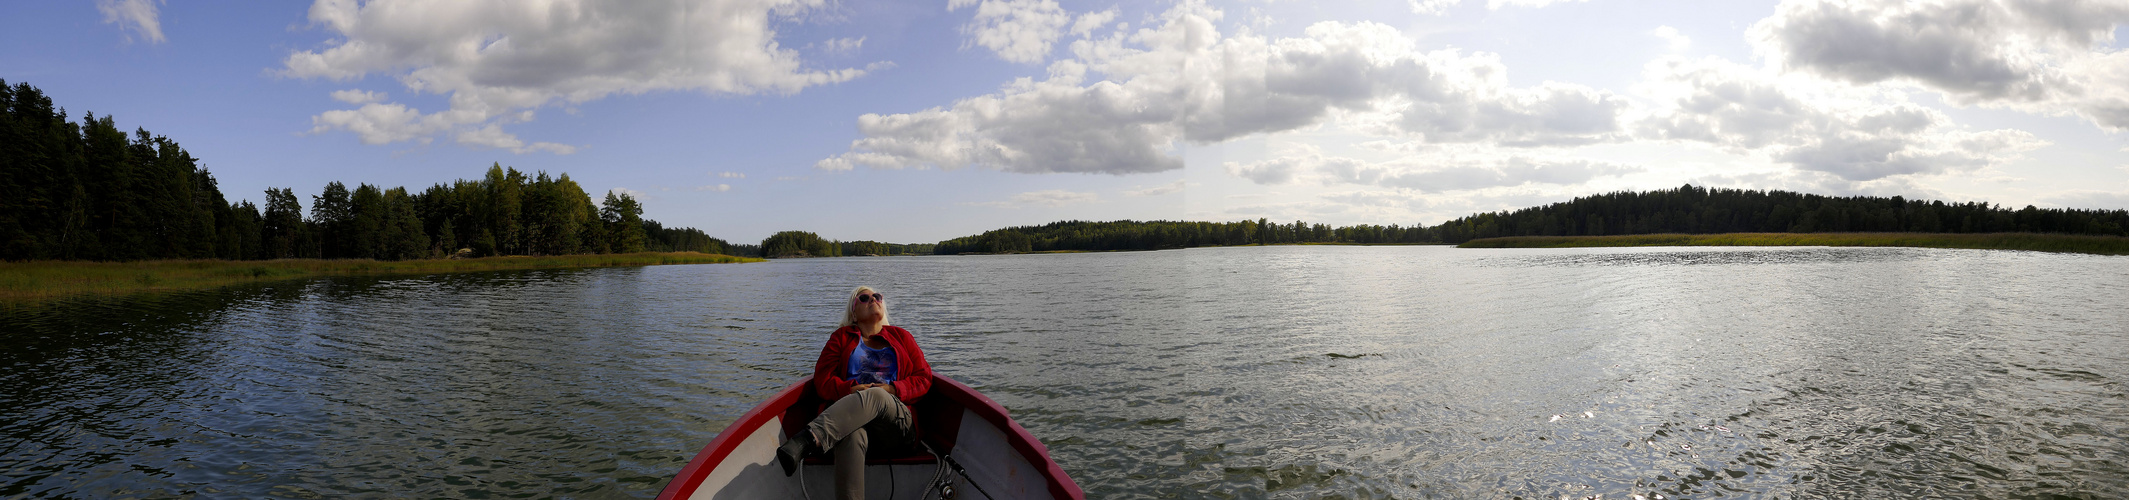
330 212
283 230
624 222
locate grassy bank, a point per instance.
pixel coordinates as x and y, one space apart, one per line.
39 280
2104 245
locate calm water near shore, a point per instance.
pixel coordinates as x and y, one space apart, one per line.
1262 372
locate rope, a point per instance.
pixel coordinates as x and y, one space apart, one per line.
949 461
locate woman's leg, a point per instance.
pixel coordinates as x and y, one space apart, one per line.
850 465
852 412
841 429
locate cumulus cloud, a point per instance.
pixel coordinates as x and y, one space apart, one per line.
2043 56
496 60
1122 104
715 187
493 136
1496 4
2092 200
1020 31
1172 187
840 46
1280 170
142 17
1435 7
1438 7
1672 38
1046 198
1055 198
732 175
377 123
1088 22
1426 175
354 96
1854 134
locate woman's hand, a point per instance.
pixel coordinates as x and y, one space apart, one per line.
862 387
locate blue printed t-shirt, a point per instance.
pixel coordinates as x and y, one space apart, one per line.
871 366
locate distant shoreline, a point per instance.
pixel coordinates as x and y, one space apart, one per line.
2066 243
34 281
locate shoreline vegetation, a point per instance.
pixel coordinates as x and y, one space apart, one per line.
2042 242
34 281
1773 215
89 191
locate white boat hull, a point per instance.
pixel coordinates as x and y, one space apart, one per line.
1002 461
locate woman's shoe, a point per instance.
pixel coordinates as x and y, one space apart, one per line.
794 450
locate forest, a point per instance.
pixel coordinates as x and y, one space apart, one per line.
806 244
90 191
1697 210
1685 210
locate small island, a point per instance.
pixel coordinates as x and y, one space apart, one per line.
2073 243
1685 216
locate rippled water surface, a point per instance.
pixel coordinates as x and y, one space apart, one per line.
1354 372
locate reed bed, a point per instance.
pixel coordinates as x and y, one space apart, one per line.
2067 243
40 280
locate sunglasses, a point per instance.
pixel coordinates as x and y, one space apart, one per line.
866 299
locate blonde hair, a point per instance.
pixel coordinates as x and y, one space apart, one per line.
850 307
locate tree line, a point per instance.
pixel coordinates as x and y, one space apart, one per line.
806 244
89 191
1698 210
1688 209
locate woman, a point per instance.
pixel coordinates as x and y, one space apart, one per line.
872 371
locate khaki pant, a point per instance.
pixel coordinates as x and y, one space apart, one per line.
850 427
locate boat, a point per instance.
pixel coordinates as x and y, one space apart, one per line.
970 448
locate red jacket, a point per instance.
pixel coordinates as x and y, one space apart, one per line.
912 374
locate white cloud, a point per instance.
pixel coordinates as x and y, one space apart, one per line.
498 59
1183 82
1055 198
1172 187
842 46
1046 198
493 136
142 17
378 123
354 96
1280 170
1672 38
1088 22
2039 56
1857 134
2092 200
638 195
1438 174
1438 7
1497 4
1019 31
732 175
1434 7
715 187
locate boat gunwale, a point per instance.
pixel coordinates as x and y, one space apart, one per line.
720 448
698 469
1060 485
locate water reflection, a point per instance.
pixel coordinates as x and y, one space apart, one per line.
1349 372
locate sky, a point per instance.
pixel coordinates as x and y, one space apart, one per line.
919 121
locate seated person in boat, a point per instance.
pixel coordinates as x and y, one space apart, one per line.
872 372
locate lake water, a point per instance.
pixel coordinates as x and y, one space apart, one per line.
1264 372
